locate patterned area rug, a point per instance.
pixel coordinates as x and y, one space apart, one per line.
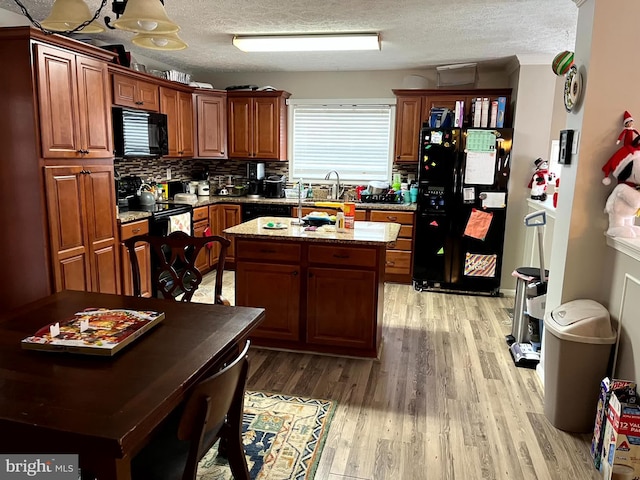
283 438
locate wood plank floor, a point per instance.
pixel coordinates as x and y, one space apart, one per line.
444 401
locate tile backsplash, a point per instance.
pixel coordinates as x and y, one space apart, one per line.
191 169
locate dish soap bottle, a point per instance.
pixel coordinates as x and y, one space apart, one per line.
340 222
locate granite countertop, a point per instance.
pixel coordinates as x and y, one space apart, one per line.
132 216
363 233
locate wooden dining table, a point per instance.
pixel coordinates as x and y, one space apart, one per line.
106 408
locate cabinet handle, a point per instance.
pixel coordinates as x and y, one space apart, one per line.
392 219
335 255
294 273
398 157
221 153
390 264
392 245
88 172
80 151
135 230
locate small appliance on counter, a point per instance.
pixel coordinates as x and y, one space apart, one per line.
177 186
255 179
203 188
274 186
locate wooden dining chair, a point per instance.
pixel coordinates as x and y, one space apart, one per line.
174 274
213 411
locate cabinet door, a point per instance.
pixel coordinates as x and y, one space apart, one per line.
240 128
275 288
94 108
335 320
202 261
211 126
266 128
67 228
170 107
143 253
214 223
229 217
58 103
408 124
147 96
124 91
441 101
102 229
185 124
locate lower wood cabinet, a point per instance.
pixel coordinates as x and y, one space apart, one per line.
276 288
200 226
317 297
399 262
83 229
143 253
229 216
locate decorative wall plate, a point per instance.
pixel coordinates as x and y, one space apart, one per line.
572 88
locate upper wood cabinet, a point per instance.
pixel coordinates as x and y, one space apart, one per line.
135 93
413 107
83 228
257 126
211 125
178 106
74 105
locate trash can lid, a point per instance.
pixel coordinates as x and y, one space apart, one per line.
582 321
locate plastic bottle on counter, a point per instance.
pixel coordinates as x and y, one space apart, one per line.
349 214
340 222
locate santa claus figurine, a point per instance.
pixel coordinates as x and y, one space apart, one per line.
629 134
541 177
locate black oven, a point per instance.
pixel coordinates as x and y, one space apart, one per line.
256 210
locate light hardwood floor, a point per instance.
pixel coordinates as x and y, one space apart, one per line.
443 402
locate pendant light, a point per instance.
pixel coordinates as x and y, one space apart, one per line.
146 16
163 41
68 14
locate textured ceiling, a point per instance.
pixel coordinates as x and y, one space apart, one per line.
415 33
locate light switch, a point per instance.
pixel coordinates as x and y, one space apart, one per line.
576 141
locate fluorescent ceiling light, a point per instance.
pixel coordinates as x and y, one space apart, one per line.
307 43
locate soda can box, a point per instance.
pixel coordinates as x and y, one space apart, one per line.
621 449
607 386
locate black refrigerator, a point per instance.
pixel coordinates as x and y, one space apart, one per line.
463 176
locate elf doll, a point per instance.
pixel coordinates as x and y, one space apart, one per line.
629 133
541 177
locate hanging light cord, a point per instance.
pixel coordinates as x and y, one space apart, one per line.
49 32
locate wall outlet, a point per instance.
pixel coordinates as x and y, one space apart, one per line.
169 173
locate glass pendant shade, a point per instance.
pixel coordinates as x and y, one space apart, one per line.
146 16
168 41
68 14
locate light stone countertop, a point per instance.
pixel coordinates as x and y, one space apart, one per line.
132 216
363 233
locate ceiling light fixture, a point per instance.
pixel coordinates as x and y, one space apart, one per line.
307 43
167 41
146 17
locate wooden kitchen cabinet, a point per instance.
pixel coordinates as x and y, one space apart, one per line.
257 125
143 253
83 228
229 216
74 105
399 260
135 93
211 125
178 106
413 108
200 225
276 288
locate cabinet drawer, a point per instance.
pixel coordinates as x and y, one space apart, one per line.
361 257
400 244
132 229
200 213
268 251
406 231
404 218
398 262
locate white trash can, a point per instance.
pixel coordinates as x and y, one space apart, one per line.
578 341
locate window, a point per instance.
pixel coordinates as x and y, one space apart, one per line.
351 137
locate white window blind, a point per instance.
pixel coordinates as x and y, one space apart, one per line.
354 140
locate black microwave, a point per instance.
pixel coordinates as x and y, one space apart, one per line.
137 133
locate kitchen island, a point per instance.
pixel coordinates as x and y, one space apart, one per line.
323 291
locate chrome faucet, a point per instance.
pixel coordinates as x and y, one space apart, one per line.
336 190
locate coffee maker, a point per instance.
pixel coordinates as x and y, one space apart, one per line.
255 177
